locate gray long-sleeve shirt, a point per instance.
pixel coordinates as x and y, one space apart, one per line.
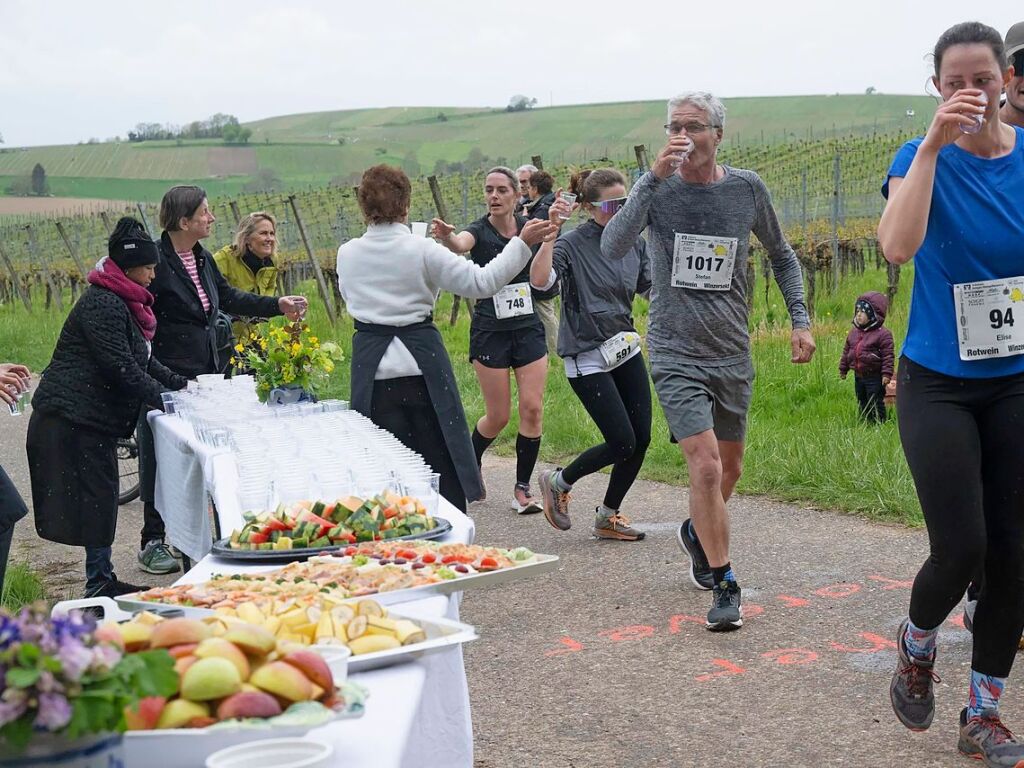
708 327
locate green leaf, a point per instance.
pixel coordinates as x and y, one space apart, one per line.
22 678
28 654
17 733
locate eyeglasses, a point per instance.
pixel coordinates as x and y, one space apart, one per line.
612 205
674 129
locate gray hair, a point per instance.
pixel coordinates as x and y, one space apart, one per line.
530 168
712 106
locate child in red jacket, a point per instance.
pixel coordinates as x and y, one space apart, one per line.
869 352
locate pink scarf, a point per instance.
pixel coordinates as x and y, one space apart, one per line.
139 300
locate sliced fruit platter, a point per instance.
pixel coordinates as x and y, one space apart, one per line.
304 527
391 571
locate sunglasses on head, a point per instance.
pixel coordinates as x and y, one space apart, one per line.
614 205
1018 63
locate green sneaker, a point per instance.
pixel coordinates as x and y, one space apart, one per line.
156 558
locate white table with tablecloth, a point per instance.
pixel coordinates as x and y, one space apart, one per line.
418 713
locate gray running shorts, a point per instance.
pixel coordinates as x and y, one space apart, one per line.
696 398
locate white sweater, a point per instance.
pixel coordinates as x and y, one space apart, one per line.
391 277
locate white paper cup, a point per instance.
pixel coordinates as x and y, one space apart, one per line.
272 753
419 228
336 656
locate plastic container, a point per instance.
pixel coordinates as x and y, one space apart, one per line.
272 753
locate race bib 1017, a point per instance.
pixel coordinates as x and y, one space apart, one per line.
703 262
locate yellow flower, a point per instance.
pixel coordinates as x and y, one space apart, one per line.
314 340
231 359
296 348
239 348
263 344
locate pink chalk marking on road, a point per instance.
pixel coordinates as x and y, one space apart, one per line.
632 632
726 669
571 646
891 583
787 656
878 643
838 591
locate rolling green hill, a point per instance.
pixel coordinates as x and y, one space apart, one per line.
317 148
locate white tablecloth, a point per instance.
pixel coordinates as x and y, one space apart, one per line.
418 714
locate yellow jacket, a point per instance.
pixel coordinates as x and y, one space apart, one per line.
263 283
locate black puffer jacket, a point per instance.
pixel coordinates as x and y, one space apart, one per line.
102 372
186 340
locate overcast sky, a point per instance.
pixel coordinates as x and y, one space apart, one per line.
71 70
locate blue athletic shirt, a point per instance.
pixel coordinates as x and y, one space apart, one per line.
975 232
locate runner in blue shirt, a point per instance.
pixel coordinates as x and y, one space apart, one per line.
954 207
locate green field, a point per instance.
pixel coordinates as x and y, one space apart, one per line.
303 150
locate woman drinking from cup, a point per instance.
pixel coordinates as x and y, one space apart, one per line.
601 350
954 208
402 377
505 335
102 371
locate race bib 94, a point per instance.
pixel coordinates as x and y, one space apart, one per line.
990 318
703 262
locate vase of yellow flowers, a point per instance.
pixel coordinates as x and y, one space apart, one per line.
289 363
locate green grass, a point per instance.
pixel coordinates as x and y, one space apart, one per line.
805 443
302 149
22 585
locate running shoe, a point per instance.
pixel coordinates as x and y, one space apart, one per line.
529 504
912 688
726 612
700 570
556 502
156 558
984 737
615 527
113 588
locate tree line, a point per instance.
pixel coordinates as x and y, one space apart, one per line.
218 126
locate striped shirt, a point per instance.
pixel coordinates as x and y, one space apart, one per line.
188 260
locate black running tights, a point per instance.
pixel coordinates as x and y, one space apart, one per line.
963 443
619 402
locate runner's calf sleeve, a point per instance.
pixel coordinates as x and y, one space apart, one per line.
480 444
527 450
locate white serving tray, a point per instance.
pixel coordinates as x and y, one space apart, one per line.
540 564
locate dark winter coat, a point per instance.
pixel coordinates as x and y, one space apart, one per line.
186 340
869 351
102 371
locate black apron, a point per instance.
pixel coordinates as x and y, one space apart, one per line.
424 342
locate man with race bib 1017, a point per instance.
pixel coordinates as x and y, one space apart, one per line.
699 216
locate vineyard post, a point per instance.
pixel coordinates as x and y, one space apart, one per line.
465 198
106 222
71 249
325 294
835 221
142 217
234 212
538 161
641 157
14 279
442 212
40 257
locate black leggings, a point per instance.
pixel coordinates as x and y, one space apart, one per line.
402 406
619 402
962 440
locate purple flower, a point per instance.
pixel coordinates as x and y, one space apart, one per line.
13 704
105 657
10 632
54 711
74 658
47 683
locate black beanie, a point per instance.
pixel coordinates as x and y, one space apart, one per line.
130 246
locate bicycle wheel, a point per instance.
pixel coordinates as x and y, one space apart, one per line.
128 470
